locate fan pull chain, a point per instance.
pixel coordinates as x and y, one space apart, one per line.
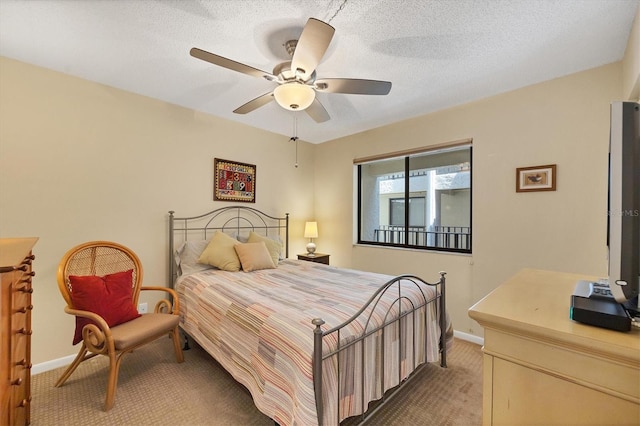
294 138
337 11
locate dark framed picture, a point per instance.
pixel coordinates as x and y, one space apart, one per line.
536 178
234 181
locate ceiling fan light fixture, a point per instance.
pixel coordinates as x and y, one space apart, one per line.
294 96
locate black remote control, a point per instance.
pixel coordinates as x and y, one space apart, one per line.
600 290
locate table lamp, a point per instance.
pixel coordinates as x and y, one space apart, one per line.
311 232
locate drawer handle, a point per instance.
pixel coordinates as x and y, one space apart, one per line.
26 277
23 267
24 402
16 382
26 289
24 363
25 331
25 309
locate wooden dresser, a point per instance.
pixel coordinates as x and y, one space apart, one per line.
15 329
542 368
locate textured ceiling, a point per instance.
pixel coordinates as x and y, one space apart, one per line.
437 53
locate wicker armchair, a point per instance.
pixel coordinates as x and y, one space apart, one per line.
94 261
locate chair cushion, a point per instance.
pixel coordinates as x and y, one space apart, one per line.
109 296
146 326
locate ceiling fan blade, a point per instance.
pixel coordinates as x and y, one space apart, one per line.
311 47
317 112
353 86
254 103
230 64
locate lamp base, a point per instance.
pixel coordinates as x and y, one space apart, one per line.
311 249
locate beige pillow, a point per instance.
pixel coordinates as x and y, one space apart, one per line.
220 253
273 246
254 256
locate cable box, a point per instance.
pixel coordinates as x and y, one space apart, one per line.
599 312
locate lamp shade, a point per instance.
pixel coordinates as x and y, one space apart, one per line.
294 96
311 230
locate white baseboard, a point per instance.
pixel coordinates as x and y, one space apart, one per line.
468 337
52 365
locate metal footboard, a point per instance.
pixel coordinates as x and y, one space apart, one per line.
406 310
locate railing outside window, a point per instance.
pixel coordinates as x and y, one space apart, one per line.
447 237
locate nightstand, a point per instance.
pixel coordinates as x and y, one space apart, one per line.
316 257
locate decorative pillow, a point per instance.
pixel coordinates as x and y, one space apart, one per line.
220 253
254 256
108 296
187 256
274 247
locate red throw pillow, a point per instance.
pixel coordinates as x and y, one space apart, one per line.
108 296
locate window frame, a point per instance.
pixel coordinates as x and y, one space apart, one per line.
407 195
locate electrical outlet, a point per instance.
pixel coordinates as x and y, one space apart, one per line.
142 308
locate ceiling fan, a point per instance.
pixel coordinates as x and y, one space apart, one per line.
296 79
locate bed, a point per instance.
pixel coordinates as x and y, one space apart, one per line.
313 344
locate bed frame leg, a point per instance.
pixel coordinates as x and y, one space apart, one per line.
317 367
186 346
443 321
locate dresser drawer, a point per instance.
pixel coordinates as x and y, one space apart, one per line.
20 393
16 288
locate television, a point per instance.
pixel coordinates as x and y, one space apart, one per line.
623 215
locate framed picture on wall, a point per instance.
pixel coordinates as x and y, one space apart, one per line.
536 178
234 181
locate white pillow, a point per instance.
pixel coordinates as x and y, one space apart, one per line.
186 257
242 238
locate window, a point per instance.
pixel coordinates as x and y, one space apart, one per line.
416 206
436 185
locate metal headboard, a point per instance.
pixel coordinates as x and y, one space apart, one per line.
232 219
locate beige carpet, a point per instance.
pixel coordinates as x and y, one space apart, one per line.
154 390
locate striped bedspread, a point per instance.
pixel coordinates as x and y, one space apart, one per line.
257 325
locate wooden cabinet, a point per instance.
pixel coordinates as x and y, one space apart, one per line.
317 258
540 367
15 329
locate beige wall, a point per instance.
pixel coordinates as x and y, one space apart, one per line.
107 164
563 121
631 63
80 161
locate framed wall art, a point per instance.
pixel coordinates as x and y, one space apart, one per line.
234 181
536 178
